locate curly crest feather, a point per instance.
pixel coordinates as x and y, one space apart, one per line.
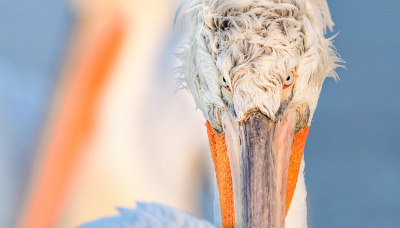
255 44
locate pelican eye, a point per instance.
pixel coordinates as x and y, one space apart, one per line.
289 79
224 83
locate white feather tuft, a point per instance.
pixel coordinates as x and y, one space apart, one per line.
255 44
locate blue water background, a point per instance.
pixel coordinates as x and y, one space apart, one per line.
353 149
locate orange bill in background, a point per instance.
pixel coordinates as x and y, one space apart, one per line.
224 178
73 127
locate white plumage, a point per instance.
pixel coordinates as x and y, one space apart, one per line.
255 44
297 214
236 59
152 216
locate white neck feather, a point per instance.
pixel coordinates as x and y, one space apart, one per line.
297 214
217 206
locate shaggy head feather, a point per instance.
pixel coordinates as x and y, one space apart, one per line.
255 44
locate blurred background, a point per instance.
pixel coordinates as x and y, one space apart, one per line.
89 120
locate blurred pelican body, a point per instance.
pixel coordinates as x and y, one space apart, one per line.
131 157
125 154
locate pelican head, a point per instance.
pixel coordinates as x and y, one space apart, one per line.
255 69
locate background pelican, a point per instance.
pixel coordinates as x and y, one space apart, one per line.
88 160
255 70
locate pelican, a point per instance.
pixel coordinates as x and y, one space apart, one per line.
255 69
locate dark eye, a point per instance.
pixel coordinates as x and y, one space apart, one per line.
289 79
223 82
222 79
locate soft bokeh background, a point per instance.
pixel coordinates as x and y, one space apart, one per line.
145 143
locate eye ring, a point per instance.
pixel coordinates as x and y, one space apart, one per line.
289 79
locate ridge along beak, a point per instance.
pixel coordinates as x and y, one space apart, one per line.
265 158
257 162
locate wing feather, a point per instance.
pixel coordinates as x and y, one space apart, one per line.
150 215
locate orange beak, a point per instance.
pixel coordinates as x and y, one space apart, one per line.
256 168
